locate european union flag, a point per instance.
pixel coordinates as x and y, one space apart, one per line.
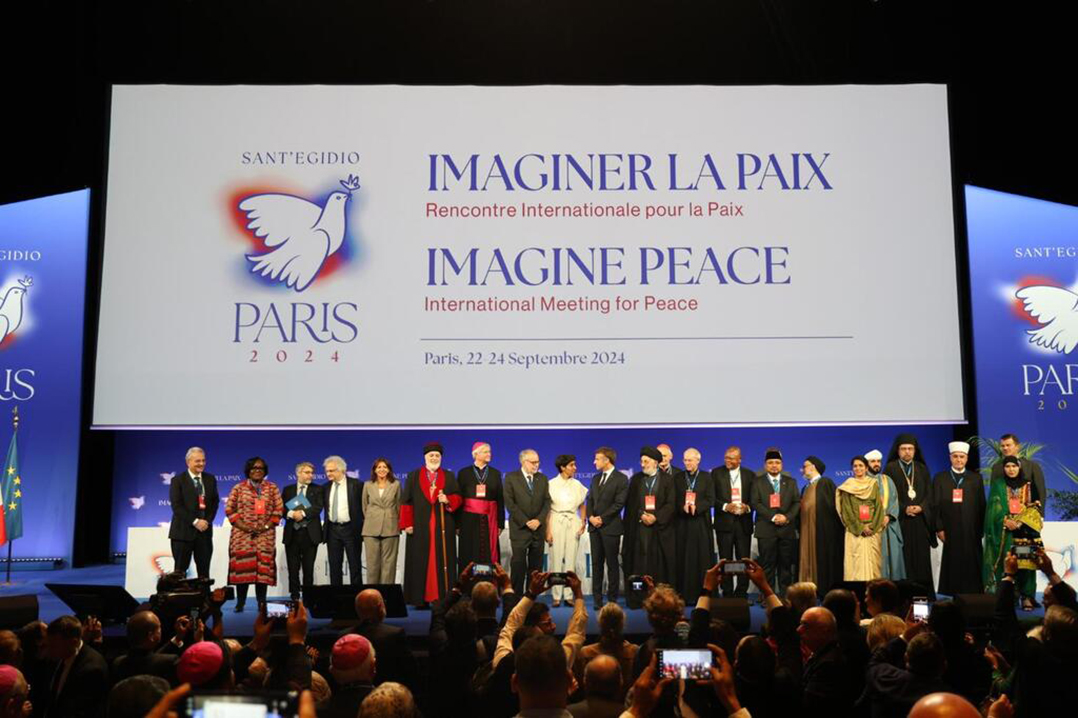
11 494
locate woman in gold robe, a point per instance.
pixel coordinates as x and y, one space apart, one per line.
861 511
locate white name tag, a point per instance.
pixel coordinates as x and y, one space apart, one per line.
480 491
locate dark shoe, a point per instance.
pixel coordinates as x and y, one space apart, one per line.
597 603
238 608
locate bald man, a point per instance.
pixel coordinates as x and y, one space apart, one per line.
602 687
144 636
944 705
824 680
395 659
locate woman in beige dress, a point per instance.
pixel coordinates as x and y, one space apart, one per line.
861 511
565 524
381 535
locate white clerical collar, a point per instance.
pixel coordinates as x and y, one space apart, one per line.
957 471
813 479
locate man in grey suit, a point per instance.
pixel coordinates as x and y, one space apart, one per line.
527 499
606 499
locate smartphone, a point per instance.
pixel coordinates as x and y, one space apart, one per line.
278 610
1023 551
211 704
482 570
194 614
733 567
920 608
635 594
685 663
558 579
636 583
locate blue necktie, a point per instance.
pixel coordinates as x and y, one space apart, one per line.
775 483
529 480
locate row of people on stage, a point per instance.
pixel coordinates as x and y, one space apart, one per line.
664 521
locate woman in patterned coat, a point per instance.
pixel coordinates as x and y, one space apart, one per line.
254 508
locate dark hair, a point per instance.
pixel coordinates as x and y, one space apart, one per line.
860 458
1012 437
608 453
842 603
885 593
540 664
755 661
925 656
536 614
460 623
524 633
723 635
134 697
948 622
382 460
1064 595
65 627
563 460
10 649
251 463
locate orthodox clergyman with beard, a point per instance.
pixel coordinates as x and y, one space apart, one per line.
913 482
654 548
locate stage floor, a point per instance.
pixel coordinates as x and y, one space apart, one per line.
240 624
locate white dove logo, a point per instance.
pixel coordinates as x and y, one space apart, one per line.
166 478
301 234
11 307
137 502
1056 309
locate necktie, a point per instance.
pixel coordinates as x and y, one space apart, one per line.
603 480
333 503
775 483
303 489
198 485
529 480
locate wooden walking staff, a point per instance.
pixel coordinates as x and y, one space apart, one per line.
15 422
445 556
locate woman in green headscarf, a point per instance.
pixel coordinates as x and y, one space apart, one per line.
1013 513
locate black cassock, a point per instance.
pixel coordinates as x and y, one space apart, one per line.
475 533
632 514
830 537
918 532
693 554
963 527
653 547
427 580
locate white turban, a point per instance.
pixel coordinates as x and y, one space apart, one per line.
960 446
874 455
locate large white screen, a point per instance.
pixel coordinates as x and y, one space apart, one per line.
802 235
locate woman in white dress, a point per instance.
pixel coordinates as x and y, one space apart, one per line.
566 523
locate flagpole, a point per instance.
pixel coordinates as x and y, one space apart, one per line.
15 422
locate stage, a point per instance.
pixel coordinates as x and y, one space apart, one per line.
417 624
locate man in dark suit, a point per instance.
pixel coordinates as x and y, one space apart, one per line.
343 521
80 682
302 528
777 503
146 656
193 496
602 690
733 516
395 660
527 500
606 499
825 683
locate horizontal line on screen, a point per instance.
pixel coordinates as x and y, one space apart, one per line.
621 339
476 427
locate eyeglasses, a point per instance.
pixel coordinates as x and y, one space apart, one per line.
258 468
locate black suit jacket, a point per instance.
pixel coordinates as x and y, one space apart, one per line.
355 502
395 659
789 506
160 663
86 687
312 524
523 507
724 521
183 496
608 502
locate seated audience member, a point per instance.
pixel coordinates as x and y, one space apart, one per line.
611 643
389 700
903 671
146 656
353 667
781 628
395 659
80 681
1057 592
825 683
322 693
206 666
541 678
14 693
763 688
455 655
602 689
800 597
882 596
883 629
844 606
649 688
134 697
969 674
485 602
10 649
944 705
665 609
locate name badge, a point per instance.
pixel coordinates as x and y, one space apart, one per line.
480 491
690 498
201 501
735 495
649 503
864 512
956 496
774 501
1016 506
260 507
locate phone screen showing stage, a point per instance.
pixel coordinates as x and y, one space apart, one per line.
276 610
920 609
238 706
684 663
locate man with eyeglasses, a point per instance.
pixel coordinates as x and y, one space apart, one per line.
527 500
194 499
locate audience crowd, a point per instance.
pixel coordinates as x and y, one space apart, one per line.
833 657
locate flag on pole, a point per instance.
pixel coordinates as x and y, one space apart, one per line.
11 494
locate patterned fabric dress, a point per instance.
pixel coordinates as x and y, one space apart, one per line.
253 558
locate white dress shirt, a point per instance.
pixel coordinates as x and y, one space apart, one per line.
342 503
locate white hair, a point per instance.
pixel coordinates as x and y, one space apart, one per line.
479 448
192 451
525 453
336 461
304 464
691 450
